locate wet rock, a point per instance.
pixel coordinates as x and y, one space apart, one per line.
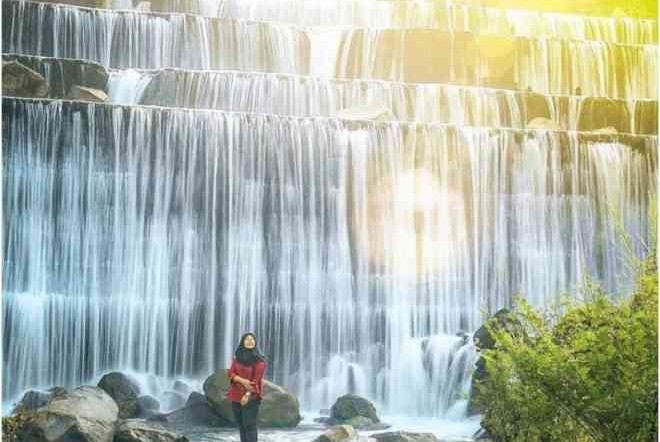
351 405
31 400
197 411
534 106
337 433
87 94
481 434
324 411
138 430
596 112
367 112
496 56
360 422
542 123
172 400
147 406
503 318
182 387
404 436
85 414
124 391
483 340
279 408
62 73
20 81
143 6
646 117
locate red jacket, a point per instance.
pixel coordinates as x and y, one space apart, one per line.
254 373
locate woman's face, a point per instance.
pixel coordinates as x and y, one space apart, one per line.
249 342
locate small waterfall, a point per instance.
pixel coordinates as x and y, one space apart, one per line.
168 228
127 87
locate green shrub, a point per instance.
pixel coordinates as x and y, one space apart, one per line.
590 374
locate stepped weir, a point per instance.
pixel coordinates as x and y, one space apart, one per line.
235 180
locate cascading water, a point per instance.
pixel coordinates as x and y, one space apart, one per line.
215 220
363 253
134 40
313 96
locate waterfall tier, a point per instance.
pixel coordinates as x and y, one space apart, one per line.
443 15
152 232
122 39
314 96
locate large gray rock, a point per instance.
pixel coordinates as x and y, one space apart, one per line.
124 391
351 405
197 411
171 400
85 414
337 433
87 94
182 387
404 436
20 81
138 430
279 408
502 319
31 400
62 73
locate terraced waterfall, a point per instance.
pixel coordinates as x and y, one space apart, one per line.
361 182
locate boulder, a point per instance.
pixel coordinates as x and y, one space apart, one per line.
20 81
31 400
503 318
182 387
483 340
337 433
85 414
404 436
481 434
542 123
352 405
478 375
61 74
197 411
124 391
138 430
279 408
147 406
367 112
173 399
364 423
87 94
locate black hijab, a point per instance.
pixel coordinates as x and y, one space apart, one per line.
248 356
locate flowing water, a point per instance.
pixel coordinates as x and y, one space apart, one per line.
219 192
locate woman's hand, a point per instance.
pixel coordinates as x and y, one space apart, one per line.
245 398
250 386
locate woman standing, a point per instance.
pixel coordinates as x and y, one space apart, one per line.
246 391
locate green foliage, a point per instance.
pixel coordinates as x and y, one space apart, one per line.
11 425
590 374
